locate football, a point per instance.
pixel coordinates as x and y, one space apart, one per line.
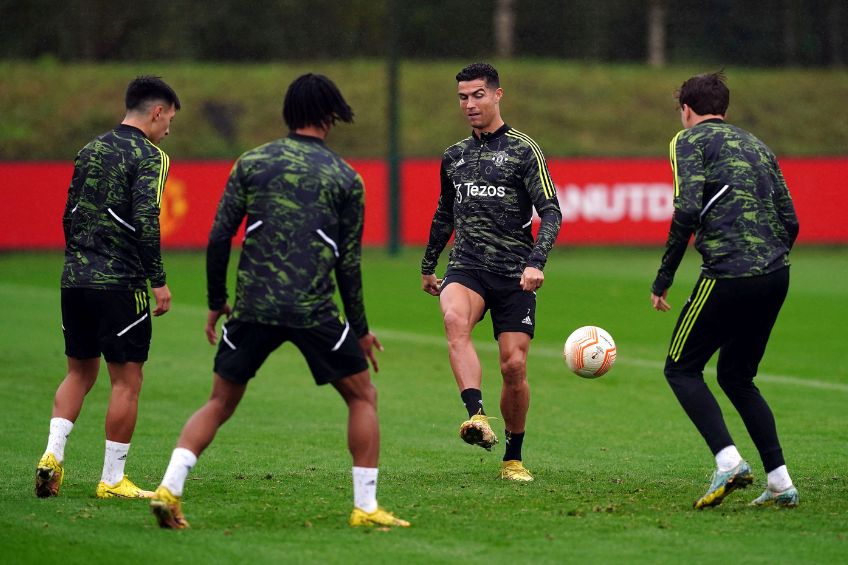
589 352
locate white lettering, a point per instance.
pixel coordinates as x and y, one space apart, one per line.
472 189
600 202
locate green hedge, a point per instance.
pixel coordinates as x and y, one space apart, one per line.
51 109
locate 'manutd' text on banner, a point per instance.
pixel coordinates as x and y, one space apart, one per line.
603 201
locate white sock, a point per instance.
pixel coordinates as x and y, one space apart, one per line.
182 461
728 458
779 480
114 460
365 488
60 429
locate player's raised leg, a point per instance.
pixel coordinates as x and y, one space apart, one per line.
515 401
67 404
363 440
462 308
196 436
121 416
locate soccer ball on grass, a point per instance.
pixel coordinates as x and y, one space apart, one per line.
589 352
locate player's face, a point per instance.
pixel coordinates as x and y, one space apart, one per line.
161 116
479 103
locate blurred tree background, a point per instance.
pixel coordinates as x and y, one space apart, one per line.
584 77
737 32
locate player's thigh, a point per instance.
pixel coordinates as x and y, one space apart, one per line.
513 309
331 350
462 298
701 327
759 300
125 328
244 347
79 325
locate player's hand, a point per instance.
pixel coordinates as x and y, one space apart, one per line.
368 343
163 299
531 279
659 302
212 321
431 285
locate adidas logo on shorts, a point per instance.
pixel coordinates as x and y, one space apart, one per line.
527 321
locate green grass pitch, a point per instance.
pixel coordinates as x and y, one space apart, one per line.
617 462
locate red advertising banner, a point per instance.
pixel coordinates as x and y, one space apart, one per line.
604 201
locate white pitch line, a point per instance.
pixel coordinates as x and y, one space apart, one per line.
547 351
486 346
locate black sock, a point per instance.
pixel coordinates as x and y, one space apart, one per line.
473 400
513 446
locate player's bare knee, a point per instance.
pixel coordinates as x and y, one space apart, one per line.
514 370
457 326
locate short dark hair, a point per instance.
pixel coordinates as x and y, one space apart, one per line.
480 70
705 94
314 100
149 88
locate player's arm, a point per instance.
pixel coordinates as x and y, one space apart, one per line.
348 266
349 271
231 211
73 198
687 164
784 206
540 186
146 203
440 232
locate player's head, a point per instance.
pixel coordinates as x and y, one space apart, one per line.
483 71
314 100
705 94
479 89
153 103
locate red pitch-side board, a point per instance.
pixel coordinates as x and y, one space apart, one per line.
604 201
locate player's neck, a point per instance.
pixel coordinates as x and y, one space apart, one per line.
313 131
137 123
493 126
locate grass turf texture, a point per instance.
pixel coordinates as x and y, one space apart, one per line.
570 109
617 462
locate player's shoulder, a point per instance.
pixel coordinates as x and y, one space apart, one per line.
457 148
520 141
129 142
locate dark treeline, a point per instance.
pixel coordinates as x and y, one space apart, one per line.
732 32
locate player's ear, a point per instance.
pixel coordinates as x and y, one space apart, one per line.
498 94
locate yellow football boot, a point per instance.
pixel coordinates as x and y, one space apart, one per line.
380 517
125 488
48 476
515 471
477 431
168 509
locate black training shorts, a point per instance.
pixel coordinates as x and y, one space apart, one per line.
114 323
513 309
331 349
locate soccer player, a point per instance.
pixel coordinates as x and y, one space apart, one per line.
729 191
490 182
304 209
111 224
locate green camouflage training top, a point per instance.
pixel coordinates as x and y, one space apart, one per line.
489 186
111 218
729 191
304 206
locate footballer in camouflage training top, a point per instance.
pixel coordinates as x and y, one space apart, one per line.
111 225
490 183
304 210
729 192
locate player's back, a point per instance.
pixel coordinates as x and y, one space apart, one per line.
296 192
101 235
743 209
